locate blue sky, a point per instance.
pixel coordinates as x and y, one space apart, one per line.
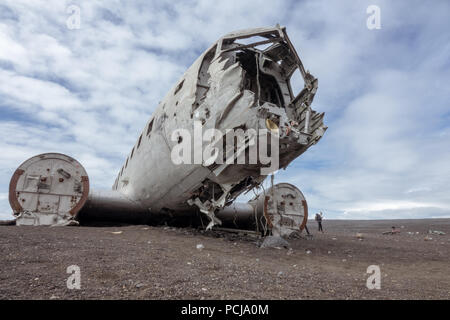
88 92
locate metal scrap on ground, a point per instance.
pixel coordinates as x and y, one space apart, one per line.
393 231
436 232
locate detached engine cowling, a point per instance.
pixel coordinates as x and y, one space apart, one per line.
48 189
281 210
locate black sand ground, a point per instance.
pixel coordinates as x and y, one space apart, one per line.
145 262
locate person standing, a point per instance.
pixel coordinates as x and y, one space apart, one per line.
319 220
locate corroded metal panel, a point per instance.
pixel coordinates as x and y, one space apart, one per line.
280 210
48 189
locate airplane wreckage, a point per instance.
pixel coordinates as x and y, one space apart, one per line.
242 82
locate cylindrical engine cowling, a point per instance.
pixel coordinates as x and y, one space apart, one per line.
284 208
48 189
280 210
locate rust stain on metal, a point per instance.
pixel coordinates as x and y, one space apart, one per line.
84 197
305 215
13 200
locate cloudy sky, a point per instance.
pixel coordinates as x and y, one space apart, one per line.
89 91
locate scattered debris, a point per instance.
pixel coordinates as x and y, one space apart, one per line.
393 231
200 246
66 223
248 233
333 238
436 232
296 235
428 238
280 273
359 236
274 242
308 251
139 285
116 232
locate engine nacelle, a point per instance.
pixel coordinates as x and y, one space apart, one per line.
48 189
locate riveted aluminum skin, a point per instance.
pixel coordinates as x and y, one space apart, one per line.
48 189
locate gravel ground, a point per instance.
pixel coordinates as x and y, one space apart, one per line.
147 262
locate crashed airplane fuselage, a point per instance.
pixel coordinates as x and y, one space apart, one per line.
238 88
230 86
